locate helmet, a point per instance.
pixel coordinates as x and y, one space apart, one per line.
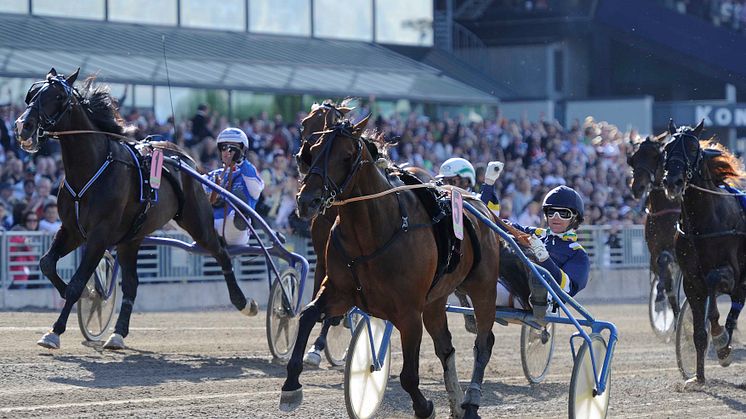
456 166
233 135
565 197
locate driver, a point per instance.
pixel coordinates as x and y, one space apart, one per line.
239 177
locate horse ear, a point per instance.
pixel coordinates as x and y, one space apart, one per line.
698 129
358 129
52 73
671 127
70 80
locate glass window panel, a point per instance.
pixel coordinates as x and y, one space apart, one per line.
287 17
81 9
14 6
352 21
246 104
154 12
404 22
229 15
143 96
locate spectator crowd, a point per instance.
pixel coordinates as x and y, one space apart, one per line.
589 156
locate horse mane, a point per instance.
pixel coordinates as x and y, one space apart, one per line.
725 166
377 145
102 109
344 103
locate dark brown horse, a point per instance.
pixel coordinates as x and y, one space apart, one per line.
100 205
662 213
382 257
327 114
711 238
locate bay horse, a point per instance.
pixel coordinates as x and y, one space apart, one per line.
385 264
711 236
327 114
100 205
662 213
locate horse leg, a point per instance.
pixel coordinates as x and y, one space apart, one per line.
313 357
247 307
436 324
700 337
92 255
722 279
410 328
63 243
665 280
484 298
292 390
469 323
127 258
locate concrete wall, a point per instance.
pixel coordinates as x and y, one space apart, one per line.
611 285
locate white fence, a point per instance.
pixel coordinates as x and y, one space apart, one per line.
20 251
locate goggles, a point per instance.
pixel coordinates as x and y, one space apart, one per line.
230 147
562 213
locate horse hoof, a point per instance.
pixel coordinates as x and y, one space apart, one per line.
430 409
50 340
694 384
470 411
725 356
115 342
312 358
291 400
251 309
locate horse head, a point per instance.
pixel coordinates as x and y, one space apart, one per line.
335 159
321 116
682 159
47 103
646 163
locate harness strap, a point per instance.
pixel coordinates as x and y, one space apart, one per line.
665 211
77 196
693 236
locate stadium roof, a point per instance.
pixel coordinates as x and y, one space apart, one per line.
130 53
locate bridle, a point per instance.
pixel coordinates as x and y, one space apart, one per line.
47 122
678 154
320 164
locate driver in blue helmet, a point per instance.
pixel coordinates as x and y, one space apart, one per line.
555 248
239 177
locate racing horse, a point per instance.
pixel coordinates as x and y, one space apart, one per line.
710 241
101 202
322 115
662 213
385 264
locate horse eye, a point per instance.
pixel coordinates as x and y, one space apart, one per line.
59 97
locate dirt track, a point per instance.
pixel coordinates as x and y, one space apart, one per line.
216 364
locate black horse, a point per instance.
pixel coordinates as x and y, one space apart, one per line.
711 237
662 213
100 204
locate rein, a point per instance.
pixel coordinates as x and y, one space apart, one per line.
386 192
55 134
691 185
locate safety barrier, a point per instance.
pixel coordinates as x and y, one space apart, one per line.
609 249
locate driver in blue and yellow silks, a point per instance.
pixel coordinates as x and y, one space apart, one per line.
554 248
239 177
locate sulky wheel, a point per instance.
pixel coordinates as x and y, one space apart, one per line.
364 388
338 339
583 401
537 346
661 314
282 323
97 303
686 352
